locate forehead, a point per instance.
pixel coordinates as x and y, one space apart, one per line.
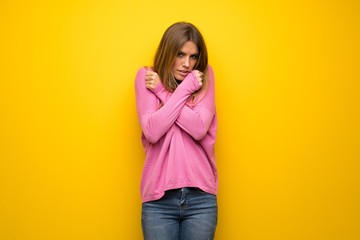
189 47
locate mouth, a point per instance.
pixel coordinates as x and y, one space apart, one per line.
183 73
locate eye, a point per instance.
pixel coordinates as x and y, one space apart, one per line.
180 54
195 56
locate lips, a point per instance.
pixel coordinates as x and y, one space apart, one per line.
183 73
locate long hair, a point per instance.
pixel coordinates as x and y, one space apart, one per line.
172 41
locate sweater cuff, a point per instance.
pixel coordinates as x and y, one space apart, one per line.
190 83
159 87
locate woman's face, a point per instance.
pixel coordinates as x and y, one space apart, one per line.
185 60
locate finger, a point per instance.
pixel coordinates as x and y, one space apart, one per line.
149 73
149 76
149 84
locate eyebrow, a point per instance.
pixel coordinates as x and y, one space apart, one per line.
195 54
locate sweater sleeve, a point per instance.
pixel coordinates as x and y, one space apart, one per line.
155 121
196 118
161 92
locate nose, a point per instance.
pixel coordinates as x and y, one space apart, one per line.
186 62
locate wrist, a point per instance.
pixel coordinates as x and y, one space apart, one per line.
158 88
190 82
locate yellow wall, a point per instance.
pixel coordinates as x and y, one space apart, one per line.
288 103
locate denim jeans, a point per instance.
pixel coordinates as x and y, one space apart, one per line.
185 213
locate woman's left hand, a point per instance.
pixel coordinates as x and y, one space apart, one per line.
151 80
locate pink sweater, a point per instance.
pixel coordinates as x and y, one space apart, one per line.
178 136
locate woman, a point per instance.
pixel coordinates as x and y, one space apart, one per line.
176 108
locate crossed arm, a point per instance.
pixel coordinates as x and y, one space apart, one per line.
194 118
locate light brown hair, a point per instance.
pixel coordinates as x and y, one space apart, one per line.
172 41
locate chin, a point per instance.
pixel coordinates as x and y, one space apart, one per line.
179 77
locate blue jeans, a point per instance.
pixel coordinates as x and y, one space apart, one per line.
185 213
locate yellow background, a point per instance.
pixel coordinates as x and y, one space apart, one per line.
287 94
